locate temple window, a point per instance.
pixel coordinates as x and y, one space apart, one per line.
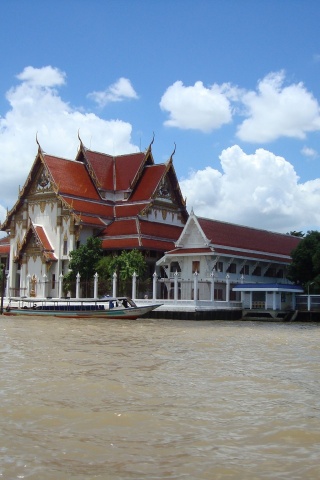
219 267
257 271
232 268
245 270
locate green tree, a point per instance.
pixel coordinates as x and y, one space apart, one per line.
84 261
305 266
105 270
124 265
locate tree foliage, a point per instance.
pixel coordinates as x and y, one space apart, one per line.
125 265
84 261
305 266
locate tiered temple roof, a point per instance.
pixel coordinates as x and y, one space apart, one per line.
114 195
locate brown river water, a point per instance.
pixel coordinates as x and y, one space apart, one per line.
153 399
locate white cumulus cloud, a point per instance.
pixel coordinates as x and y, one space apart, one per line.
309 152
117 92
197 107
37 108
261 190
276 111
44 77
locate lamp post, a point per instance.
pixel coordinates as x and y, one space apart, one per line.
309 303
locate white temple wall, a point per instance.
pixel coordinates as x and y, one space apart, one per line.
165 216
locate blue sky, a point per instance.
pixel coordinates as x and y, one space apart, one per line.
235 84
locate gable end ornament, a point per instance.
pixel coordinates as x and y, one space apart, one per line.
151 143
172 154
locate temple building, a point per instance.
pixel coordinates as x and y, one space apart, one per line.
223 264
130 202
127 200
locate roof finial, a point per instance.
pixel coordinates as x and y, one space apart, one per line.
149 148
174 151
37 141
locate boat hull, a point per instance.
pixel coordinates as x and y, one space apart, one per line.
125 314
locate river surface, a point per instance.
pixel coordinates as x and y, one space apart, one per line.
152 399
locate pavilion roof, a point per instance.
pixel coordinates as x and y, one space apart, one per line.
247 239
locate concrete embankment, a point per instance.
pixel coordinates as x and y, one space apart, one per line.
196 315
244 315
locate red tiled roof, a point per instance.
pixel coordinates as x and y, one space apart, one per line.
43 237
171 232
236 236
158 244
96 221
129 210
100 209
48 251
191 251
141 233
148 183
121 227
120 243
4 246
102 165
78 184
71 178
127 167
